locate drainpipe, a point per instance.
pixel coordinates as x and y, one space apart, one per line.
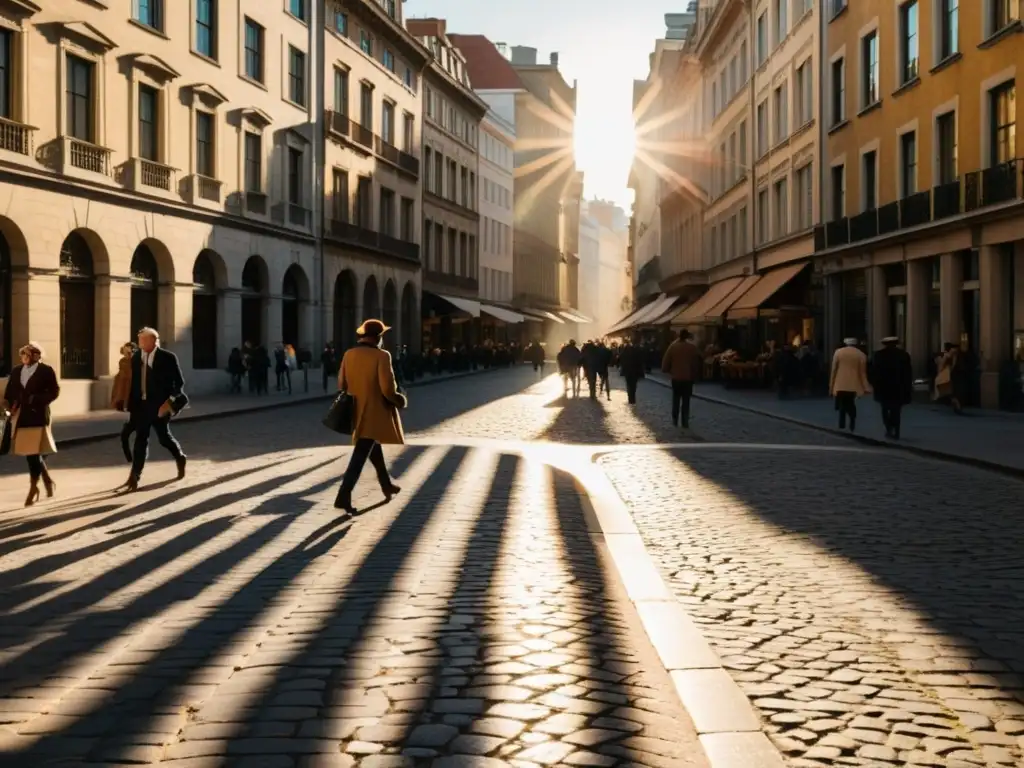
752 53
317 29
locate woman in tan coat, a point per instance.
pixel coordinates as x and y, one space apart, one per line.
30 390
849 380
368 377
120 393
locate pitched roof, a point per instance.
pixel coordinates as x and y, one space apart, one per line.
488 69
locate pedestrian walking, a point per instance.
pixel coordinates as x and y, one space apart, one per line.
367 374
684 365
31 388
848 381
892 376
604 361
157 394
119 394
569 367
633 367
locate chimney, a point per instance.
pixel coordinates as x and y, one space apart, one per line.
554 59
524 56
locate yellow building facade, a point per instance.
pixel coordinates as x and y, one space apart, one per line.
922 185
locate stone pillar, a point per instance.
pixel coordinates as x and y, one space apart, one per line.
309 328
951 278
878 307
833 330
994 347
918 289
272 325
176 318
113 312
36 314
229 318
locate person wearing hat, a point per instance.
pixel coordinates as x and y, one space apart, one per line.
368 376
892 377
849 380
31 388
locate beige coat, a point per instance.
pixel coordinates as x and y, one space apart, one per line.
368 376
122 388
849 372
682 361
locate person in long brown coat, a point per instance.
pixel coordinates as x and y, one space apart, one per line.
120 393
31 388
368 376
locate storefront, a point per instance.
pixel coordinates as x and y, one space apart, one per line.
448 321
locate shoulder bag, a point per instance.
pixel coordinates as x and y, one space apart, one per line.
6 432
341 414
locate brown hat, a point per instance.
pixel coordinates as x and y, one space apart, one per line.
372 328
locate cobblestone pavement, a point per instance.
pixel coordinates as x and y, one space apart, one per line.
870 604
234 620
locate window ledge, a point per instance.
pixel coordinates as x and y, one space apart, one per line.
252 81
295 104
779 145
204 57
949 61
909 85
839 126
147 28
870 108
839 13
802 128
291 15
996 37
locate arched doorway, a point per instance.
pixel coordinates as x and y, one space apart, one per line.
290 300
204 311
390 317
77 305
6 354
345 322
144 300
254 287
371 299
410 318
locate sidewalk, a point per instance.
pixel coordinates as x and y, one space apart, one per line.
991 439
102 425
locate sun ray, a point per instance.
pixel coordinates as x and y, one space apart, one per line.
559 142
642 129
524 202
669 175
543 162
647 100
544 112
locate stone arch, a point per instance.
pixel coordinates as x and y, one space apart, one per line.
346 309
209 275
144 275
255 295
410 318
294 301
371 299
390 314
13 251
77 324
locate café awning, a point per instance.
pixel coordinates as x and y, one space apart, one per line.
746 306
655 310
623 323
500 313
718 311
470 307
667 315
574 316
542 314
718 292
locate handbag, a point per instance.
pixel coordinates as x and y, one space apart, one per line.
6 432
341 414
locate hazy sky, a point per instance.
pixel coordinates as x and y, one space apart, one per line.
603 43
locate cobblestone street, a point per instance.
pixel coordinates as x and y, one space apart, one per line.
869 604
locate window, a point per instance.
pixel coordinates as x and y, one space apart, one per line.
781 21
294 176
408 132
472 190
439 246
150 13
762 128
449 263
341 23
869 180
804 96
253 50
945 127
762 38
428 169
148 123
387 122
909 41
80 99
387 212
1004 13
296 76
365 43
428 242
6 73
804 197
453 173
743 230
838 91
438 174
204 145
781 109
762 216
407 213
869 69
408 79
473 263
743 149
339 197
297 8
908 163
836 6
253 162
464 185
341 91
949 28
463 255
781 208
838 191
363 203
206 28
389 60
1003 120
366 106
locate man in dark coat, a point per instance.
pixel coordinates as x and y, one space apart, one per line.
633 365
893 380
156 395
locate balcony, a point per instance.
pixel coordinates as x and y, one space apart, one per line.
151 177
385 150
338 124
363 237
360 134
444 280
204 190
256 203
85 156
16 137
292 215
409 163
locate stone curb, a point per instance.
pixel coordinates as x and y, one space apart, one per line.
87 439
727 725
928 453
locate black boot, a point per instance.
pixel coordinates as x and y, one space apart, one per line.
343 501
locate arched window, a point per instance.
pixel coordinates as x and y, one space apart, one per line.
145 299
6 356
254 286
204 312
77 305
